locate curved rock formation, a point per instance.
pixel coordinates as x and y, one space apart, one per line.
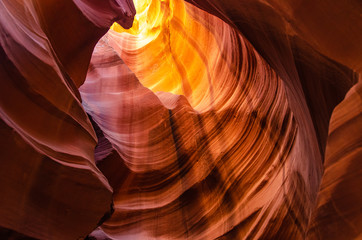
189 52
205 120
207 168
48 179
338 212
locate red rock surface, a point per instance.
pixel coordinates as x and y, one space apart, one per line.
206 120
338 212
50 187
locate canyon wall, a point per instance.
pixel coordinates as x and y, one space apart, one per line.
205 120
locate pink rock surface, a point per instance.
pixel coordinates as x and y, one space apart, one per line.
50 187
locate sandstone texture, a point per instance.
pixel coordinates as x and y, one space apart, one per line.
198 119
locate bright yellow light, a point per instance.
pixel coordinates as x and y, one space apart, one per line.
169 49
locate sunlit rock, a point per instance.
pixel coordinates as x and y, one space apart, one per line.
204 120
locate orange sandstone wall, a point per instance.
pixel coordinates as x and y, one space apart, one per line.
211 101
205 120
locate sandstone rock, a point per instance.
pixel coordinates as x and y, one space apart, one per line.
208 119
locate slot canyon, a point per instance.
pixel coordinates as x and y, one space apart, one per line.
174 119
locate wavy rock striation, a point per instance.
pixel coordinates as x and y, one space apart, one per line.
338 212
205 120
223 144
49 182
